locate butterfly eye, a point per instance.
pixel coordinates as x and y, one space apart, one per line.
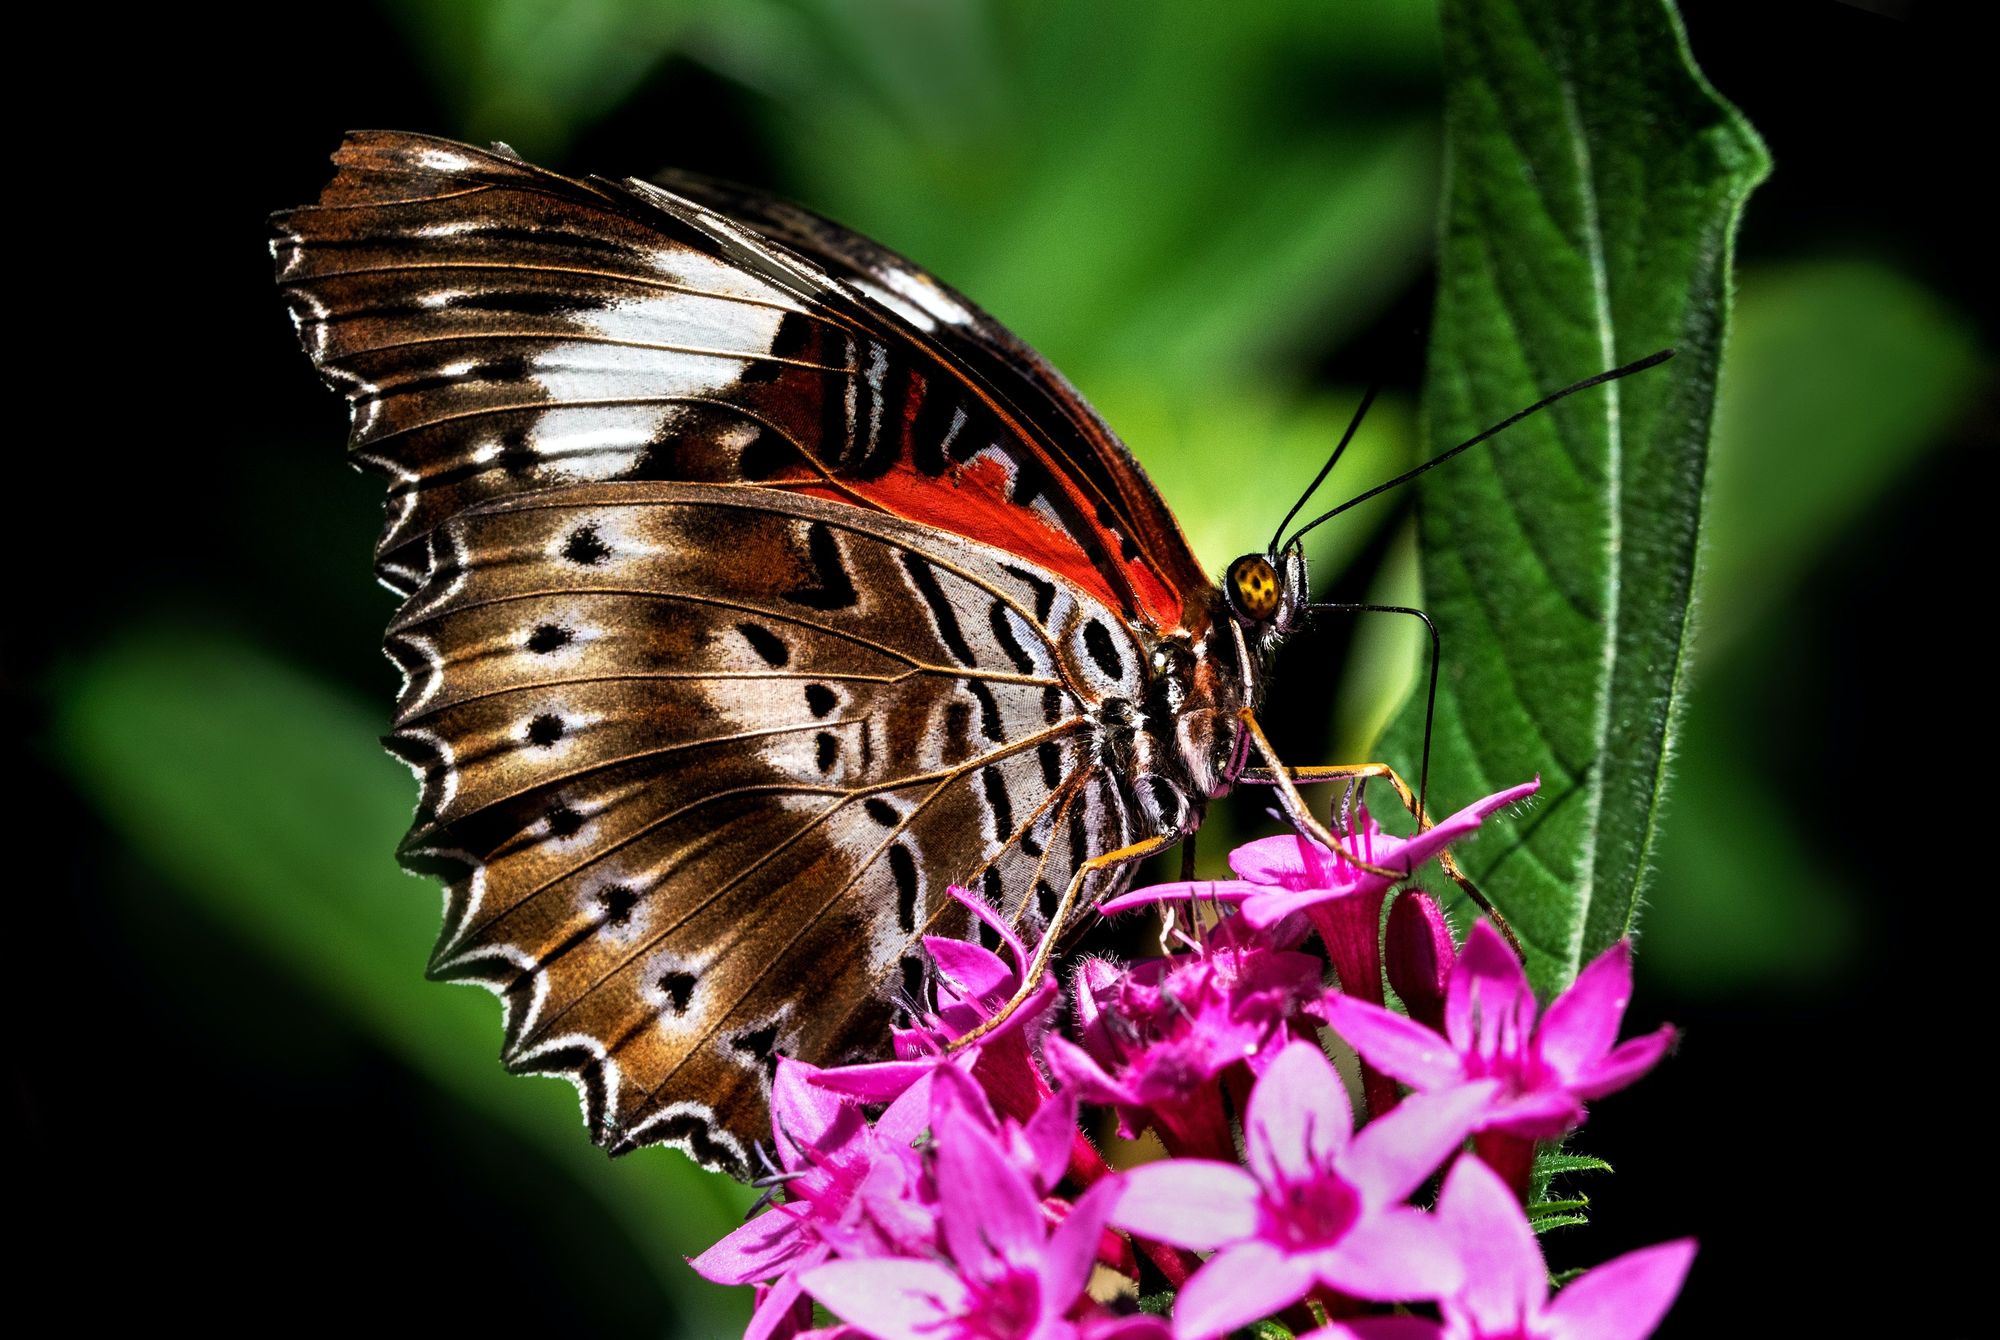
1252 587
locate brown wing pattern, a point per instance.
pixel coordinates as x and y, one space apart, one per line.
501 328
698 762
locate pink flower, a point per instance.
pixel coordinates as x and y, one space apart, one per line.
1155 1037
1544 1074
1009 1276
851 1189
970 985
1506 1291
1318 1205
1280 877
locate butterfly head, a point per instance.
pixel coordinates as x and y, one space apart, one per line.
1265 592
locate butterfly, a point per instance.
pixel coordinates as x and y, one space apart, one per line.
756 588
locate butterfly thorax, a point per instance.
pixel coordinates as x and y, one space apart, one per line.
1185 742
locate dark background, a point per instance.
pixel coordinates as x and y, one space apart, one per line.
209 1136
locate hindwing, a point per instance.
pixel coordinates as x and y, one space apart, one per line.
699 761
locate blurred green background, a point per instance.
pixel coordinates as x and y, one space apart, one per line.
1218 220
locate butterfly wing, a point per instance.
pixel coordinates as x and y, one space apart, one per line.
500 327
699 756
974 342
698 762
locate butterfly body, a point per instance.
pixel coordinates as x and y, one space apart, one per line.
756 588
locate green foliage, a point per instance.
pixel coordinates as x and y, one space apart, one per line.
1546 1209
1594 185
265 798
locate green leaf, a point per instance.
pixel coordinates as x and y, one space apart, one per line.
1594 182
263 796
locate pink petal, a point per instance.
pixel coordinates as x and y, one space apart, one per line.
1628 1061
1414 852
1285 861
874 1081
980 908
1192 1203
1394 1154
1394 1255
1271 906
992 1216
1489 993
1198 890
757 1250
804 1117
1505 1278
1393 1044
1072 1248
1049 1136
1075 1068
908 1117
1543 1114
1239 1285
1299 1118
971 971
1583 1023
1623 1299
773 1309
889 1298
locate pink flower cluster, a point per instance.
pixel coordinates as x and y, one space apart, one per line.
972 1207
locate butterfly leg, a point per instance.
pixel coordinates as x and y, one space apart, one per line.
1295 807
1031 980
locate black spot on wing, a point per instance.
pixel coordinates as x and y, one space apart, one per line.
617 901
545 729
999 802
1049 754
585 547
831 588
881 811
1103 649
932 428
549 637
758 1045
1047 899
989 712
942 614
679 989
826 751
766 454
1003 632
766 644
903 866
1044 589
820 699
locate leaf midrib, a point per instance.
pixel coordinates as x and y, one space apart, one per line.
1614 465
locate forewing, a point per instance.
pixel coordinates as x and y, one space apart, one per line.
983 349
501 328
699 762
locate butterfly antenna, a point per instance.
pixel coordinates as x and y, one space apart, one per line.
1430 695
1650 360
1353 425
